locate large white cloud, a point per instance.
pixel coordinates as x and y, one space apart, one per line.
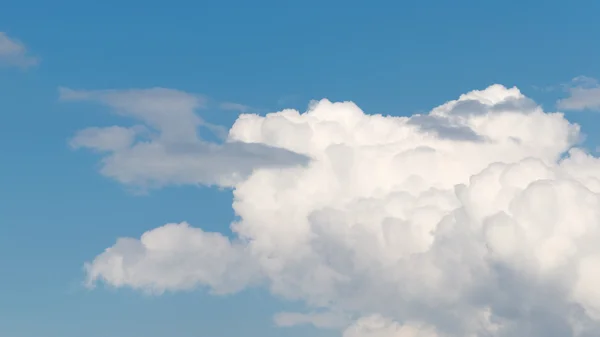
480 218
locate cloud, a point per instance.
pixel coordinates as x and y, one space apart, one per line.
14 53
171 112
241 108
317 319
378 326
112 138
176 257
410 231
444 127
165 147
584 94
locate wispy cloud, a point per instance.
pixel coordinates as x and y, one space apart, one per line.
241 108
584 94
14 53
287 99
328 319
165 147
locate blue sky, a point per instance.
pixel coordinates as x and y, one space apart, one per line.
57 211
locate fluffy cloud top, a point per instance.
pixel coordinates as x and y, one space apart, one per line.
14 53
165 148
477 219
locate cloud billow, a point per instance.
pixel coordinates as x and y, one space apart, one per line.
397 227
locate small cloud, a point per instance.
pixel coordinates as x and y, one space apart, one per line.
585 81
169 111
318 319
584 94
241 108
14 53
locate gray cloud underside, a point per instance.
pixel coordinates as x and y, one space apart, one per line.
166 148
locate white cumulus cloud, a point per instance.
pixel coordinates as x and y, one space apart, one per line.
176 256
165 147
14 53
480 218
